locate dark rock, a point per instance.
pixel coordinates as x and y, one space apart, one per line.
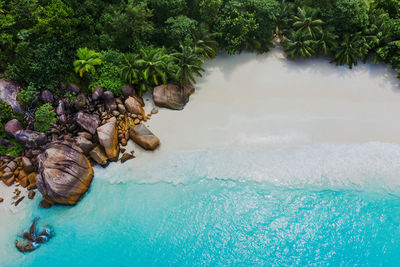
88 122
74 88
18 201
97 93
128 91
86 135
172 96
126 156
61 109
24 245
30 139
12 127
84 144
109 100
6 143
80 101
44 204
64 174
144 137
9 92
47 97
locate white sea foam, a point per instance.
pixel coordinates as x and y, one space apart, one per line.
370 166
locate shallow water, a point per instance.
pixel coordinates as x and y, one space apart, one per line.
269 178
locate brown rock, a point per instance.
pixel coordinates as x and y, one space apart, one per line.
134 106
144 137
10 181
126 156
1 199
21 174
7 175
108 138
98 155
44 204
27 164
172 96
31 194
23 182
32 180
64 174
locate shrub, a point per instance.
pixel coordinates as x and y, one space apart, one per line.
44 117
6 112
28 96
109 74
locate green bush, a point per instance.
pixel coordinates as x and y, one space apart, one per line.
44 116
6 112
108 75
28 96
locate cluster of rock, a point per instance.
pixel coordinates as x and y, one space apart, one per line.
91 129
19 171
31 240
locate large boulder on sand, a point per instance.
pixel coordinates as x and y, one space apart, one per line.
134 106
12 127
64 174
88 122
30 139
172 96
144 137
9 92
108 138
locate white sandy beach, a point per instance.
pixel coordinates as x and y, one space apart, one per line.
251 99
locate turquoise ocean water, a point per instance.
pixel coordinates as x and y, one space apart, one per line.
324 205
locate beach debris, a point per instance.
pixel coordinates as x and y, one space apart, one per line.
127 156
31 240
19 201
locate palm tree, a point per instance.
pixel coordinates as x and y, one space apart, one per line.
379 35
189 63
131 68
205 42
305 23
326 42
153 63
298 46
352 48
87 61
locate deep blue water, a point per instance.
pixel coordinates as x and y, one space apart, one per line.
226 221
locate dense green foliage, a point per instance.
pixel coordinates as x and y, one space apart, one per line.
39 38
44 117
28 96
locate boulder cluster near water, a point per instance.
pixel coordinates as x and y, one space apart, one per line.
94 129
